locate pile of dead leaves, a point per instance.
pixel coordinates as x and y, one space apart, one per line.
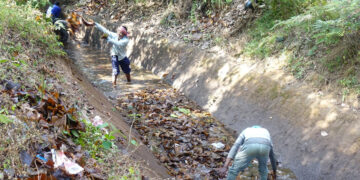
42 107
186 139
52 153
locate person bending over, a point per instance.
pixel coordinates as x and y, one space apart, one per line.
253 143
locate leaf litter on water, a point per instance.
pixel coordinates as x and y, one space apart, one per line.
178 132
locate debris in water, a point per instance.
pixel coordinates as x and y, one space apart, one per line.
188 141
218 145
324 133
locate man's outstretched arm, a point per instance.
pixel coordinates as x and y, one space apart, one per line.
104 30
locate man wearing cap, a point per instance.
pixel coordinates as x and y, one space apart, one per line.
119 41
253 143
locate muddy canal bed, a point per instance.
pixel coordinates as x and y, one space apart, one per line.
189 142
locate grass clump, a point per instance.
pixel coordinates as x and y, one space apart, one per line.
106 149
94 141
325 35
258 45
40 4
16 136
320 25
26 25
327 24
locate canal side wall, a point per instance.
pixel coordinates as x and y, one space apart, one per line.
313 136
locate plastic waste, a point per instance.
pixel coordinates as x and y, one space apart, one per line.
26 158
72 168
60 159
48 12
41 158
218 145
97 121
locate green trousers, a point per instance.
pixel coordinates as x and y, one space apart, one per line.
247 153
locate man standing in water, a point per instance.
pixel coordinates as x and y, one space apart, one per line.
253 142
119 41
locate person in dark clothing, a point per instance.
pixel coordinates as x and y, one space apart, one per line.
253 143
55 12
61 27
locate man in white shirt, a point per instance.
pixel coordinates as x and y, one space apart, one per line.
119 41
253 143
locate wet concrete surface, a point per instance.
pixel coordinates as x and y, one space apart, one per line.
96 66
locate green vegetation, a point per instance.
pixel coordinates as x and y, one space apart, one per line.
216 4
28 51
16 136
258 46
192 12
40 4
27 27
297 67
102 146
95 141
4 119
320 25
168 19
319 34
284 9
